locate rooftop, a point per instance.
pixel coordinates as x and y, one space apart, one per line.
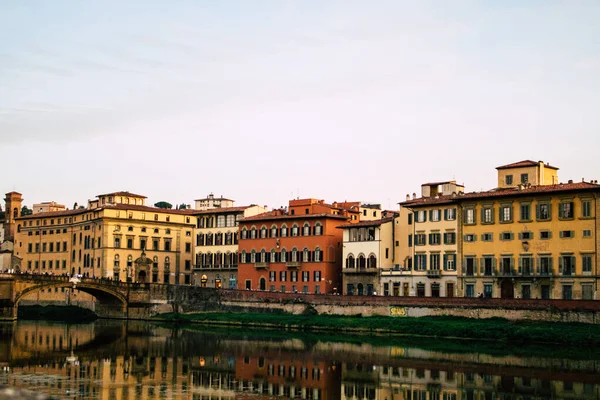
525 163
376 222
440 183
279 214
122 193
220 210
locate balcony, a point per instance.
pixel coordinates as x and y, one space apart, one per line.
507 272
261 265
360 271
434 273
215 267
293 264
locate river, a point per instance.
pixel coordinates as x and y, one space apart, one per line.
134 360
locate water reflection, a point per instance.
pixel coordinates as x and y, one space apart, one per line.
120 360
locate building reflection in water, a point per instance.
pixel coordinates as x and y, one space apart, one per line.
128 361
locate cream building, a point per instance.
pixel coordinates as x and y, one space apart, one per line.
216 246
527 172
368 249
427 232
116 236
47 206
212 202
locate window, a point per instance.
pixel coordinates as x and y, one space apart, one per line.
450 262
263 232
450 214
450 238
508 179
487 215
587 233
586 263
129 243
545 235
284 231
469 216
525 212
487 237
434 215
220 221
526 235
253 233
567 234
295 230
506 213
272 276
421 216
420 262
318 229
273 231
506 236
306 230
545 265
543 212
526 266
524 178
420 239
434 238
565 210
410 219
283 276
586 208
469 237
566 265
434 262
305 276
317 255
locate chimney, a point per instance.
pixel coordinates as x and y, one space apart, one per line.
414 195
407 197
570 180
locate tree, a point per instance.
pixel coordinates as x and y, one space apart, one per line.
183 206
163 204
26 211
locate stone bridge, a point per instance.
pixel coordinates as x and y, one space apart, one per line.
114 299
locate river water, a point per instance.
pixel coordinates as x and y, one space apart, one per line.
133 360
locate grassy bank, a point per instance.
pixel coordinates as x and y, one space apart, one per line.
493 329
57 313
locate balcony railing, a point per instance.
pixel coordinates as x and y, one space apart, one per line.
293 264
261 265
357 271
218 267
434 273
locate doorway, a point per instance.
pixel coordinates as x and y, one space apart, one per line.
507 289
526 292
450 289
142 276
361 289
263 284
405 290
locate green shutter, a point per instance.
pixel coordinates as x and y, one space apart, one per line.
512 265
493 265
424 216
520 265
424 266
573 264
446 214
560 264
445 262
481 266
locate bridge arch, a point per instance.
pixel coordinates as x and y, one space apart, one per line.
109 302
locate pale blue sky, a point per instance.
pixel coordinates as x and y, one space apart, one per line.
263 100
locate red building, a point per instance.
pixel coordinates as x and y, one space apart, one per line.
297 249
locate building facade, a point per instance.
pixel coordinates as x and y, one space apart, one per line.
295 250
530 242
116 236
368 248
427 233
216 247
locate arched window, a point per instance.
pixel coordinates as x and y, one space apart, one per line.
263 256
372 261
253 256
350 261
19 228
209 259
263 232
209 239
253 233
318 256
229 238
155 262
318 229
295 230
306 229
234 258
227 260
219 239
294 257
273 256
244 233
305 255
167 263
283 255
200 239
244 257
284 230
362 261
218 259
274 231
15 212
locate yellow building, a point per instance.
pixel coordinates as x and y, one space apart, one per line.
527 172
116 236
530 241
427 252
216 249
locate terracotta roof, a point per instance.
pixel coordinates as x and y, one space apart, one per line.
123 193
220 210
502 192
277 215
135 207
525 163
55 213
376 222
214 199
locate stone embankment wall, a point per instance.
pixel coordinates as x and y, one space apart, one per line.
512 309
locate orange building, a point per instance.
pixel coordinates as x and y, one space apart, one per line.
298 249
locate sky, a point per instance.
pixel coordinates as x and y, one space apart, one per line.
264 101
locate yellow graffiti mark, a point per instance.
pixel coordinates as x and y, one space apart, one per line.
397 352
397 311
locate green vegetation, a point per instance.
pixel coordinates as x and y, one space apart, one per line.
493 329
57 313
163 204
26 211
